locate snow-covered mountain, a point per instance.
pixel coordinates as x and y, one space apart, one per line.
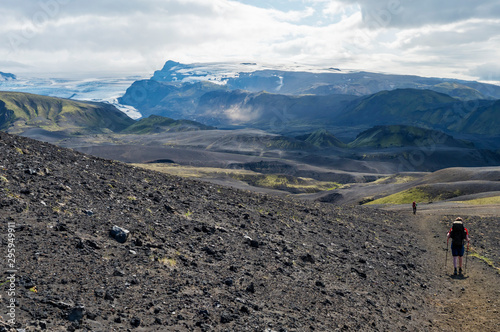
301 79
6 76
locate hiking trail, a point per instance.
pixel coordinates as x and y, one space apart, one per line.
462 303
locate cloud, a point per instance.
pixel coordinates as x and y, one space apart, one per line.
410 14
400 36
487 72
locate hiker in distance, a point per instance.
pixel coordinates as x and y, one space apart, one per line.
414 205
458 233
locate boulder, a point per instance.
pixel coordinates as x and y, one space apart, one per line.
119 234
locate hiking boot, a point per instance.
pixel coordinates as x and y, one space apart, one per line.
460 270
455 272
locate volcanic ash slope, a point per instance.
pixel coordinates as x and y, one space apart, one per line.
198 257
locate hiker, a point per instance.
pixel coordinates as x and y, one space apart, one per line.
414 205
458 233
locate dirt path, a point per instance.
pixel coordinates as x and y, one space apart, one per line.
462 303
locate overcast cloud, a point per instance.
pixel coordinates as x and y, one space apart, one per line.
447 38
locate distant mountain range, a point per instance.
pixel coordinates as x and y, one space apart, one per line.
319 81
383 148
7 76
325 118
297 103
405 136
159 124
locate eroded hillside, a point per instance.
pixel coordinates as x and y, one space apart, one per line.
198 257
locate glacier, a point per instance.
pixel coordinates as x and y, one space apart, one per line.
99 89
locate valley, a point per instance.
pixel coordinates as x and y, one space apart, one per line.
253 199
205 257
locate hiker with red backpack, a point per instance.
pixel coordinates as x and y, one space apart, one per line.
458 233
414 206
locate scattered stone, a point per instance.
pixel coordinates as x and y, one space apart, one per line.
42 324
254 244
119 234
208 230
31 171
92 244
61 227
226 318
25 191
57 254
360 273
320 284
118 273
135 322
209 251
76 314
99 292
250 288
308 258
168 208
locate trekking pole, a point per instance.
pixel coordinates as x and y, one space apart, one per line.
466 256
446 260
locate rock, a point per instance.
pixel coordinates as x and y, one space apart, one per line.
228 282
108 296
42 324
25 191
76 314
360 273
168 208
226 318
89 213
61 227
92 244
209 251
207 229
308 258
99 293
254 244
119 234
118 273
135 322
31 171
250 288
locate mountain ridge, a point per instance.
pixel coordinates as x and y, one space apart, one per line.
7 76
299 80
19 111
404 136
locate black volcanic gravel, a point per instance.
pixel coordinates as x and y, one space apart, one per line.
198 257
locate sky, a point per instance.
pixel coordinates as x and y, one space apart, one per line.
446 38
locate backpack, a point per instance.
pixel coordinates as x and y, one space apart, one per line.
458 234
